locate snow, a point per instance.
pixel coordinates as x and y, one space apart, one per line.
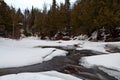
31 42
109 63
110 72
61 75
27 51
96 46
56 52
19 53
51 75
107 60
24 52
17 57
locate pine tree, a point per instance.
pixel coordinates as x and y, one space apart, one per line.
62 18
53 19
32 18
17 22
27 22
37 21
5 20
54 5
13 15
44 21
67 7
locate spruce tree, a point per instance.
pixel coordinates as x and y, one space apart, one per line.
6 20
67 7
53 19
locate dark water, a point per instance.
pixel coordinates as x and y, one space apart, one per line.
66 64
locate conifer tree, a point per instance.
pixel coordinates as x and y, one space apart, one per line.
67 7
27 22
53 19
5 20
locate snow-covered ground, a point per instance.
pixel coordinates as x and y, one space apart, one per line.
20 53
50 75
17 53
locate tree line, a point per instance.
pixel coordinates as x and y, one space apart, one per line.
83 17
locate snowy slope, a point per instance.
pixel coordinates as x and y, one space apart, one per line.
51 75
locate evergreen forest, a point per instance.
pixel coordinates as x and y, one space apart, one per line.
66 19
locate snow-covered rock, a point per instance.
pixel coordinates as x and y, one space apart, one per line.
81 37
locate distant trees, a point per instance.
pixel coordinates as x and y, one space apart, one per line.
90 15
83 17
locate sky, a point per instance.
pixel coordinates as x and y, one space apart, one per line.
23 4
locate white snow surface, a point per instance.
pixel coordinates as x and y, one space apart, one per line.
18 53
96 46
50 75
111 61
15 53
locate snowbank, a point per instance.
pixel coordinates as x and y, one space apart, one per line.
51 75
96 46
109 60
